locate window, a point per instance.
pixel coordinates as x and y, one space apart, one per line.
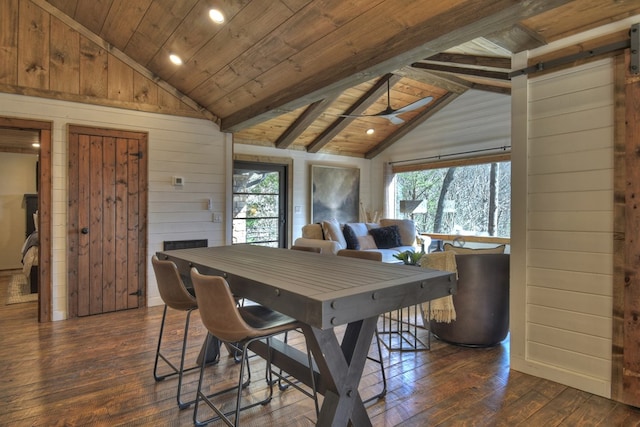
462 198
259 204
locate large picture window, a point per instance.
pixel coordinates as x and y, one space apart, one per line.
465 199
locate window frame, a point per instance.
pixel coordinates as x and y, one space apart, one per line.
440 164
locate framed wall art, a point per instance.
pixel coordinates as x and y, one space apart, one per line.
335 193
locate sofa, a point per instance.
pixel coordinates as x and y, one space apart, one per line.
388 237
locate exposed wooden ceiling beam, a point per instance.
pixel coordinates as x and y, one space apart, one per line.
499 75
465 21
491 88
447 82
308 116
516 38
450 82
473 60
437 105
365 101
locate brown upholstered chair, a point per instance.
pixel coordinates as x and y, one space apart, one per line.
370 255
238 327
481 302
306 249
176 296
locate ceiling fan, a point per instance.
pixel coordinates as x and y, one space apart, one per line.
391 114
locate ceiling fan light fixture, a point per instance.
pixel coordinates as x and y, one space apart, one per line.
175 59
216 16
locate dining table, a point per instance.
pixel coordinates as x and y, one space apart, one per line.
325 294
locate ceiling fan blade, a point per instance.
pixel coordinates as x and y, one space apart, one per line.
394 119
391 112
419 103
389 116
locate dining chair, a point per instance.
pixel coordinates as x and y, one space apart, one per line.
306 249
175 296
238 327
371 256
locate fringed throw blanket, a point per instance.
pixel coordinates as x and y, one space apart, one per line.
442 309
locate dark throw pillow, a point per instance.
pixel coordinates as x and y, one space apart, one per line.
386 237
350 237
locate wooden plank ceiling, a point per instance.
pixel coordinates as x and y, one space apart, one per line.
282 72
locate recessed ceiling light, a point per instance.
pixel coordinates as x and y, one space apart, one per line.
36 145
216 16
175 59
370 131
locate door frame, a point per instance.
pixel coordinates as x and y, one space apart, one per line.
284 161
625 382
44 208
283 172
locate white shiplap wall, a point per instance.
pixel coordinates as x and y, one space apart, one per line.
476 120
193 149
569 262
302 162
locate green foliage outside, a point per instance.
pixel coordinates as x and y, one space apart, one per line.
457 200
257 200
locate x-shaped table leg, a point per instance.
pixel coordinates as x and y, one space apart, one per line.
341 367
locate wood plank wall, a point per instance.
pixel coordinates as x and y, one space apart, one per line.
570 226
42 56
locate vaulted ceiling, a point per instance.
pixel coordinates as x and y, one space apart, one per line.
284 73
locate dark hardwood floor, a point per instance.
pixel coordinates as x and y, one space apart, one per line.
98 371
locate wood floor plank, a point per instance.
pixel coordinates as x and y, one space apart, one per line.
97 370
558 409
596 411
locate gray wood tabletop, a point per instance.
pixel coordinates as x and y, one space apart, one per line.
320 290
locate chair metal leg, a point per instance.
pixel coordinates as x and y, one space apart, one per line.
284 382
224 416
179 371
282 386
155 366
380 361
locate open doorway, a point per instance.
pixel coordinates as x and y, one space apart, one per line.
19 152
16 137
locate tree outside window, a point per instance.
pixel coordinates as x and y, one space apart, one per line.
466 199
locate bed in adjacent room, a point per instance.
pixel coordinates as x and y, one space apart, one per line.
29 251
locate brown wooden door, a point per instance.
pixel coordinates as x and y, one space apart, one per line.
106 220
